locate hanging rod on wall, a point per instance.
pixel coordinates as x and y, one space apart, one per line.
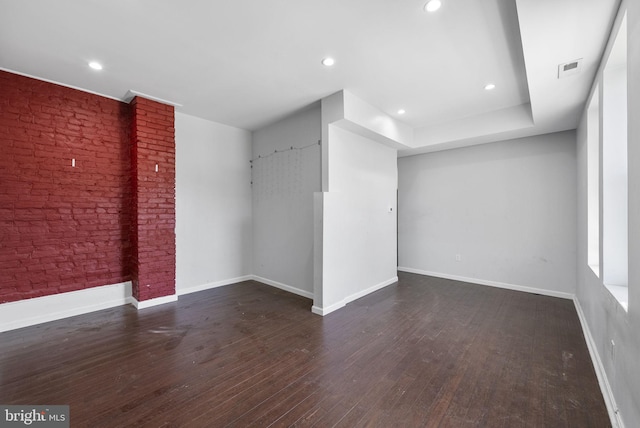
284 151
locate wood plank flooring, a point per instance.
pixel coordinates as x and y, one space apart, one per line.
423 352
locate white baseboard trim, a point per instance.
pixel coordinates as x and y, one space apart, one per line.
28 312
285 287
210 285
359 294
601 374
143 304
507 286
322 311
331 308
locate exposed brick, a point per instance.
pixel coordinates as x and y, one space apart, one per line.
153 269
43 127
109 219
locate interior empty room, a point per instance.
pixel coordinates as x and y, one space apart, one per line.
338 213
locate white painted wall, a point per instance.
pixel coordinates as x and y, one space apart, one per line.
604 318
507 209
213 204
358 219
283 188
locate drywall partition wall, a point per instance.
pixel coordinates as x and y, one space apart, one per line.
358 220
612 332
213 204
499 214
65 197
355 215
285 174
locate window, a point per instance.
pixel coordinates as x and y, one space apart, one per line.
593 182
615 258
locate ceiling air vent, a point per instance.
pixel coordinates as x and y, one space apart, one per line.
569 68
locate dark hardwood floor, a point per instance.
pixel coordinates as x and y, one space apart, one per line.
423 352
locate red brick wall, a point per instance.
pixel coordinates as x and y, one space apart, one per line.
62 228
65 228
154 244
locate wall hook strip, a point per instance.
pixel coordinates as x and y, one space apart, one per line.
286 150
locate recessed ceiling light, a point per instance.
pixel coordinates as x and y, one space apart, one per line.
328 61
95 65
432 5
401 111
489 87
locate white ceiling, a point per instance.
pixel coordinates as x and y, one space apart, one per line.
248 63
